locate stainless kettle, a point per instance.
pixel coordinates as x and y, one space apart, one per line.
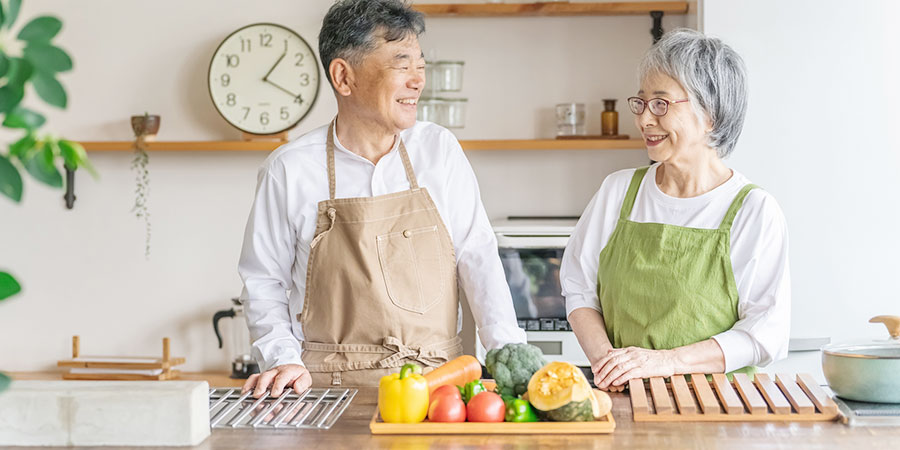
242 363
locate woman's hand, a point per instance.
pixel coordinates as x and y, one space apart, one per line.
287 375
613 371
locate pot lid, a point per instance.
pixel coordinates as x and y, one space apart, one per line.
873 348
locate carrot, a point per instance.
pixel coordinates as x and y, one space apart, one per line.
457 372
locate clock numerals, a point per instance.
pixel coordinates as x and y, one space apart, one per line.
246 112
298 99
265 40
246 45
264 118
232 60
304 79
299 57
285 115
226 80
231 99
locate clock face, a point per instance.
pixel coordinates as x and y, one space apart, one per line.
263 78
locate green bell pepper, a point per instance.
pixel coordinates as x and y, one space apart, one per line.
519 410
472 389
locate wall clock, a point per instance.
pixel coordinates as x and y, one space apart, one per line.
264 79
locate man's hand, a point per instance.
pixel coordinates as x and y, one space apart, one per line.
288 375
613 371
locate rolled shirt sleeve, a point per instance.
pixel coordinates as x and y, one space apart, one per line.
265 265
479 269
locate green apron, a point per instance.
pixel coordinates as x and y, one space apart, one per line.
665 286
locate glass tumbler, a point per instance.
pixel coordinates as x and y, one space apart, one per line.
570 119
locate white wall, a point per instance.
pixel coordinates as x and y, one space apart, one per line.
820 135
84 271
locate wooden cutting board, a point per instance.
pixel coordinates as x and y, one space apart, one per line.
784 398
605 425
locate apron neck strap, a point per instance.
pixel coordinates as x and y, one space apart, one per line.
628 204
736 206
329 153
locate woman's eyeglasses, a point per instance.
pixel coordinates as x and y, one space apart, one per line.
658 106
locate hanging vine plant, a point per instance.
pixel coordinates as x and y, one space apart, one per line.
145 127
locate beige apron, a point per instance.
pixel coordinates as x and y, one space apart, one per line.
380 285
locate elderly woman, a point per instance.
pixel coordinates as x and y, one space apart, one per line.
681 267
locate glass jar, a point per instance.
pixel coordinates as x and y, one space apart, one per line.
431 110
448 75
570 119
455 112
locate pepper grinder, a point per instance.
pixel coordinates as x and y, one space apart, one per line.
609 119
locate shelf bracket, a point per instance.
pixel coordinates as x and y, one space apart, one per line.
657 30
70 188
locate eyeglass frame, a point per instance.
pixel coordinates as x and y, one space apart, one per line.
647 102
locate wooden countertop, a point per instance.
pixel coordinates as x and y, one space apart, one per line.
352 431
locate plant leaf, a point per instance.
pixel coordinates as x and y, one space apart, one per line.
13 12
10 180
20 71
49 89
2 20
48 58
10 97
23 148
40 29
76 156
4 381
23 118
8 286
4 63
41 167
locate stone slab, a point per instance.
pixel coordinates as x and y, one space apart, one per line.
139 413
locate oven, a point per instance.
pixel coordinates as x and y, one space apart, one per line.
531 250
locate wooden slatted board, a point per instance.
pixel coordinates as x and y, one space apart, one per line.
784 398
603 426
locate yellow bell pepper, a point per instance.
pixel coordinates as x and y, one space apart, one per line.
403 397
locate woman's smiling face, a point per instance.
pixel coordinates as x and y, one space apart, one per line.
675 134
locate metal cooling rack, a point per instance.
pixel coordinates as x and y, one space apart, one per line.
314 408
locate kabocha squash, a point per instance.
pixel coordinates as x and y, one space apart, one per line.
561 393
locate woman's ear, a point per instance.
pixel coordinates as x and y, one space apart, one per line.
341 76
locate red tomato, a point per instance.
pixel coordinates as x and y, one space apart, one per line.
447 408
486 407
447 389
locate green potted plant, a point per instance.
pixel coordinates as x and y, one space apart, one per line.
28 57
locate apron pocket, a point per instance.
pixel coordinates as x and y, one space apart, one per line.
412 265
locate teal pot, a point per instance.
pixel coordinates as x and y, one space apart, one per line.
867 371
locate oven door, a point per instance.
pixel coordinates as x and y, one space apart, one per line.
531 264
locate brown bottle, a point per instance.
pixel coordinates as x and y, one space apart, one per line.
609 119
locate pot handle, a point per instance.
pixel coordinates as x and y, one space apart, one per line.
891 322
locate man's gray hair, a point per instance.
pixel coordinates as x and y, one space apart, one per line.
351 28
713 75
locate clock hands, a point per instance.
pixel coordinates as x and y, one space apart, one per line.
266 76
266 79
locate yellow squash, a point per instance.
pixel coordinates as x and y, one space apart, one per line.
561 393
403 397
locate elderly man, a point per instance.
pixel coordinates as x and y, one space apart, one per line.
368 222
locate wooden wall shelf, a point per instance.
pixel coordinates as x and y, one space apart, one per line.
266 146
549 9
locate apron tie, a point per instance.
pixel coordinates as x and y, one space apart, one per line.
429 355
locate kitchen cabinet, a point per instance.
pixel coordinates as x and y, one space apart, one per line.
549 9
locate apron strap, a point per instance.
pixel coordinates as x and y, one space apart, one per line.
736 206
432 355
628 204
329 155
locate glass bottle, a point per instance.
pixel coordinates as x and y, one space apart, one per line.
609 119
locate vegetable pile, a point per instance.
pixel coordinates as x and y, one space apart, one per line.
527 390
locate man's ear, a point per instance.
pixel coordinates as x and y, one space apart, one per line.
342 76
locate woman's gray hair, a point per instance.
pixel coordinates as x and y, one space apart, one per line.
713 75
351 28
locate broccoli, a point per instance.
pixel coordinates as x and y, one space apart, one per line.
512 367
